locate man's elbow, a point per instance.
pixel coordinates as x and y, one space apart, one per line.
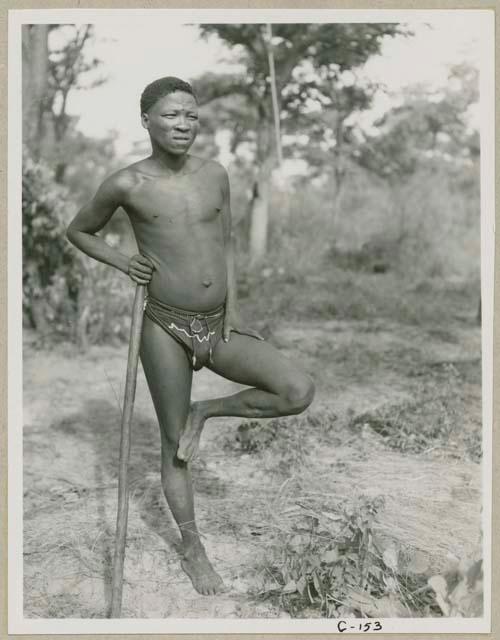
70 233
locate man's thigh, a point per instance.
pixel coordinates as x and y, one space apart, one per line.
255 363
169 376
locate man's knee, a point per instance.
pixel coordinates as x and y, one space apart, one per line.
298 393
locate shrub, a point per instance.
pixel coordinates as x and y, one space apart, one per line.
51 270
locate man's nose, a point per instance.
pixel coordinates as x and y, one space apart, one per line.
182 124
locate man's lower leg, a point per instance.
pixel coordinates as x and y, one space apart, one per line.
249 403
177 487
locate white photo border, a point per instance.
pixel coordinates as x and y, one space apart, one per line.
17 624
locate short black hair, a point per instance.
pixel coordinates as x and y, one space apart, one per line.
162 87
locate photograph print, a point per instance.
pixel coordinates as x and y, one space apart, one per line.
251 314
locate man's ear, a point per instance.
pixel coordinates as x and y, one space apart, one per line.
145 120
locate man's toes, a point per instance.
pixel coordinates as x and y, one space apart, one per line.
206 590
183 452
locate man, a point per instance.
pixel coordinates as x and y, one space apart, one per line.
179 208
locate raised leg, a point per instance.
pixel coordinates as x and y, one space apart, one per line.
280 388
169 378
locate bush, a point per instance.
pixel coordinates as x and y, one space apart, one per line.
346 569
51 270
65 293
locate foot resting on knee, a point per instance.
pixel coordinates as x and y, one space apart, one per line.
203 576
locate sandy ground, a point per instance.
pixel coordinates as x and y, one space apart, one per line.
71 444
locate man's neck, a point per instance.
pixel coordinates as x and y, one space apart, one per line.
168 162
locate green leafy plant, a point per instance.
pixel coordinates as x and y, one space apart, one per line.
51 274
346 569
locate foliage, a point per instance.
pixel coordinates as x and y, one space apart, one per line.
338 565
70 68
347 569
425 127
50 267
105 303
66 294
327 49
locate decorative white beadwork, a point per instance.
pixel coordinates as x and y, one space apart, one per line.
206 338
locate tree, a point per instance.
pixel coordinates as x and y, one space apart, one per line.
34 83
49 264
55 63
70 68
321 48
426 126
429 133
330 135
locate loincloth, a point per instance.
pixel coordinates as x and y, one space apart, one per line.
198 333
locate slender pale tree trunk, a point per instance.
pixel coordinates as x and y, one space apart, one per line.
259 220
35 66
338 189
35 55
260 214
339 170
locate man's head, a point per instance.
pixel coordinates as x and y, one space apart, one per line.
161 88
169 111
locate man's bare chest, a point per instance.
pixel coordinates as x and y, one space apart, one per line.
175 201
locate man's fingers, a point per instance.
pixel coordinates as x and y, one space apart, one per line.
143 260
140 278
140 274
227 333
142 268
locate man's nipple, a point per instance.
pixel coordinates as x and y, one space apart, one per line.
206 283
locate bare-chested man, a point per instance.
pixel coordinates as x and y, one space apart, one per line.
179 208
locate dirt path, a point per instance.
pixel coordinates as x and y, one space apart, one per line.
71 443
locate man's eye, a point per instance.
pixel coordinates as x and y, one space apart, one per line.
193 117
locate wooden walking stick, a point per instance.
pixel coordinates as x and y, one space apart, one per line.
128 407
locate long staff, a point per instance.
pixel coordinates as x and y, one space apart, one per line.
128 407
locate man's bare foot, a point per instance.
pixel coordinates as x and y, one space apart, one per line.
203 576
190 436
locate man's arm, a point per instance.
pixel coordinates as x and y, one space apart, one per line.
93 217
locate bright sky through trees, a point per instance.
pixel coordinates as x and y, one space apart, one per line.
169 48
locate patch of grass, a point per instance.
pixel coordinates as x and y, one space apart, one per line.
283 438
437 417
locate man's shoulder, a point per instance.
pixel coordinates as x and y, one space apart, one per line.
214 169
121 181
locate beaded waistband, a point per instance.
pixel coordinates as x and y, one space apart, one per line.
184 313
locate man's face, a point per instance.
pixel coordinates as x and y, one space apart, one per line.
172 122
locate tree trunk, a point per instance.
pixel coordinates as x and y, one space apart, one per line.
35 65
38 308
259 220
339 173
339 168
